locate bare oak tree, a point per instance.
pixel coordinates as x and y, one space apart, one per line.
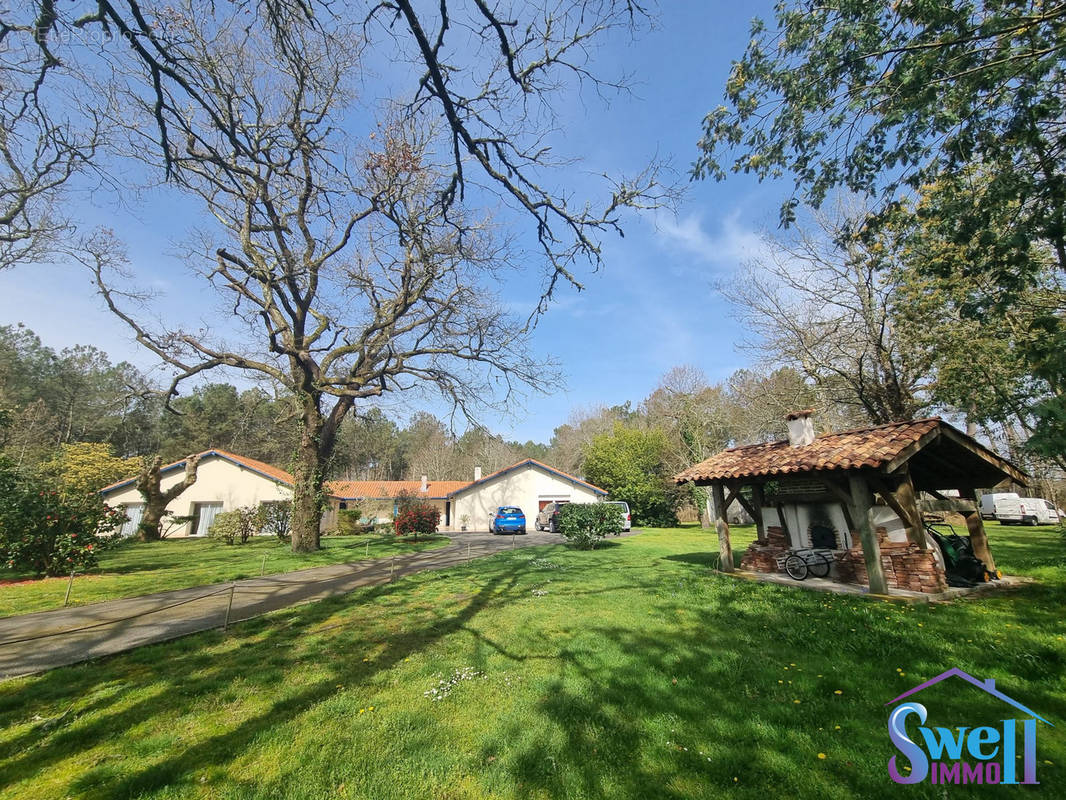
821 301
46 137
352 265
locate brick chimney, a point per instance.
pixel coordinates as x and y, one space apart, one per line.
800 427
425 484
477 473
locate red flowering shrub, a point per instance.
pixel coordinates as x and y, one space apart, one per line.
48 533
420 518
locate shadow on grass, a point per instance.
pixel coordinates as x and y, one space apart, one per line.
274 648
699 692
699 559
736 711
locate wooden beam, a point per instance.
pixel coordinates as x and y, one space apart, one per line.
976 526
862 509
903 502
908 499
758 499
735 493
820 497
784 523
841 494
1002 464
725 547
890 499
747 506
908 452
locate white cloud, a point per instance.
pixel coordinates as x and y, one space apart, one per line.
730 246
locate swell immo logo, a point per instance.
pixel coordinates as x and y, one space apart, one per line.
961 755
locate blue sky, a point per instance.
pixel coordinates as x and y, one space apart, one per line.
649 308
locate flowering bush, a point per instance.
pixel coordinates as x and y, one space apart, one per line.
417 519
50 533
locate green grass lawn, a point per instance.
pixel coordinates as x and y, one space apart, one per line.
134 568
632 671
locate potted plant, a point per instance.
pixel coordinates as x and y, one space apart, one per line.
463 520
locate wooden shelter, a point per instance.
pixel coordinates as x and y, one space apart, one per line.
807 487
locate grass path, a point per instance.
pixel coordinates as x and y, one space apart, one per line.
628 672
135 568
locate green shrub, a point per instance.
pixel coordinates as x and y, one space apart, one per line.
275 518
238 525
417 518
584 524
50 533
350 522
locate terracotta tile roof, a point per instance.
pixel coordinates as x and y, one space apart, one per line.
379 490
855 449
535 463
267 470
259 466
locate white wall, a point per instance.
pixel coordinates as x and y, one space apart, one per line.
217 480
798 518
524 488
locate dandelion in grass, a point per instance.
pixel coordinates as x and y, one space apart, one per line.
838 691
821 756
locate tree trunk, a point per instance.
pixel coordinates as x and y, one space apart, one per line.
725 546
155 499
318 437
308 473
149 528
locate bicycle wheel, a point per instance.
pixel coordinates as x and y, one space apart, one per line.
818 564
796 567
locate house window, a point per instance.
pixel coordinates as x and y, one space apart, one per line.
134 511
203 514
343 505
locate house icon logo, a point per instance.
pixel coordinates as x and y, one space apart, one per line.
963 755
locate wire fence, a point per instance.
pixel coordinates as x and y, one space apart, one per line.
234 586
256 565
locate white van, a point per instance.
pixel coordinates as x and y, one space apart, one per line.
988 502
1040 511
1026 511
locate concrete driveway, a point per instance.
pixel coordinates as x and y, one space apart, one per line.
36 642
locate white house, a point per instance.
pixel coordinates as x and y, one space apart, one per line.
224 481
528 484
376 500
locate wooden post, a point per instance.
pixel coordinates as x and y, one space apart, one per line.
976 526
757 500
908 500
229 606
862 512
70 584
725 548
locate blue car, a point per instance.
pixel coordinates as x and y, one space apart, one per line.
508 519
